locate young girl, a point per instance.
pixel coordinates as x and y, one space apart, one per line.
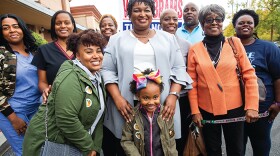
148 134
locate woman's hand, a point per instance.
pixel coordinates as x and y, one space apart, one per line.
45 93
197 119
251 116
18 124
124 108
92 153
169 107
273 112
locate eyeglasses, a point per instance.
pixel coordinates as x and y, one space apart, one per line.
211 20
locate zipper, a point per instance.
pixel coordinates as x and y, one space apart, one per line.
151 132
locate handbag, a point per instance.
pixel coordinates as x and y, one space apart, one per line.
195 144
261 86
55 149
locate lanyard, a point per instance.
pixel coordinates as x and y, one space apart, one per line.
230 120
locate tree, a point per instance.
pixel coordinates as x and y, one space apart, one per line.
39 39
269 11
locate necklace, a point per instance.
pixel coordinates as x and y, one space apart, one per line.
217 55
137 36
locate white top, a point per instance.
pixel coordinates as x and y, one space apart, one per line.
144 56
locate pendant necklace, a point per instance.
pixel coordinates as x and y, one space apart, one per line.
137 36
217 55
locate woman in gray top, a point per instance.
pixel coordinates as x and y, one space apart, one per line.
131 51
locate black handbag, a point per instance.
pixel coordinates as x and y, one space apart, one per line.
261 86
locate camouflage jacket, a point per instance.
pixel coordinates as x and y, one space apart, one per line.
8 63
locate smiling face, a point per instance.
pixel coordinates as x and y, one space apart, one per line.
11 31
149 97
169 21
244 26
91 57
213 25
63 25
108 27
141 16
190 14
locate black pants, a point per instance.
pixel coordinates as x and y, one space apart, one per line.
111 145
259 134
185 122
233 133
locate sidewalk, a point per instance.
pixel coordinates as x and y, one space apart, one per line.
2 139
5 149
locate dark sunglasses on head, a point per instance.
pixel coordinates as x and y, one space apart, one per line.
211 20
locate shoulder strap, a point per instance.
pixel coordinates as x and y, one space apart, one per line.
236 56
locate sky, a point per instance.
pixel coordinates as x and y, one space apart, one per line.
114 7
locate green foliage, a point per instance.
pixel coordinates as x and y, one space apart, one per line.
39 39
229 31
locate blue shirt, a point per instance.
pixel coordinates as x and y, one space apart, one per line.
26 97
195 36
264 57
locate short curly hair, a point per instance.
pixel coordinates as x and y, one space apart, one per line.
132 84
108 16
87 37
150 3
208 9
242 12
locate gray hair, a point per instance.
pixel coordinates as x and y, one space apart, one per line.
208 9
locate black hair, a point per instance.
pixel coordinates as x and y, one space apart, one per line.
87 37
242 12
132 84
150 3
28 39
53 33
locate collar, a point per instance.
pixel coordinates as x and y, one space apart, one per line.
213 40
96 78
194 29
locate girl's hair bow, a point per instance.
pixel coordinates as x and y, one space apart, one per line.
141 79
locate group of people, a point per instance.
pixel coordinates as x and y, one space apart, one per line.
136 92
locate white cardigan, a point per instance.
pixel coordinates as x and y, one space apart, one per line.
118 68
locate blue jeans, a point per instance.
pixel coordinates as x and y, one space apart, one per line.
11 135
259 135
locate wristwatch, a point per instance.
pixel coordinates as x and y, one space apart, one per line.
175 93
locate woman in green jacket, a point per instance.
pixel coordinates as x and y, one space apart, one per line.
76 100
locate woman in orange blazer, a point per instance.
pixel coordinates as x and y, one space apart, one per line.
216 92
